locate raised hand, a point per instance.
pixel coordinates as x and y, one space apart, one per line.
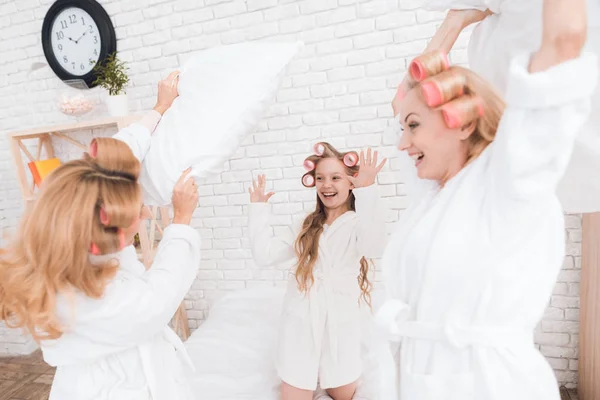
368 169
257 191
185 199
167 92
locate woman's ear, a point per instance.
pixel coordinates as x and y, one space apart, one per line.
467 130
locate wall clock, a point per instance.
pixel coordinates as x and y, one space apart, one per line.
76 35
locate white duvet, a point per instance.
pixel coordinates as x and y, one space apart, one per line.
234 350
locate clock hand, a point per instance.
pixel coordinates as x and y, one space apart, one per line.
77 41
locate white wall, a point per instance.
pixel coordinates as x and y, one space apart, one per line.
339 89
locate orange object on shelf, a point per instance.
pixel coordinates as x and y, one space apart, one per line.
40 169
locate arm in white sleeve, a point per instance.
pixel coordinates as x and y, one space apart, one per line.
371 236
535 138
134 309
138 134
267 249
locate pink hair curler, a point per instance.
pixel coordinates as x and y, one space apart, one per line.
319 149
309 165
431 94
451 117
417 69
350 159
94 149
308 180
104 220
94 249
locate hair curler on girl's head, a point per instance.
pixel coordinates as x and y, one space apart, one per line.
308 180
350 159
319 148
309 165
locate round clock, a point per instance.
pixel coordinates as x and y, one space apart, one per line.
76 35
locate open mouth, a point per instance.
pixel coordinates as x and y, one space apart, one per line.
418 157
328 195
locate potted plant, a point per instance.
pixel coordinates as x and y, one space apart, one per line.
111 75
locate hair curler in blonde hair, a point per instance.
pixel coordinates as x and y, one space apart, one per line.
462 111
442 88
428 64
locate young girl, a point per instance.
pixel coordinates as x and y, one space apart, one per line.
320 329
72 279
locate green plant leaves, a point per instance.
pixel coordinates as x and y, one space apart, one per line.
111 75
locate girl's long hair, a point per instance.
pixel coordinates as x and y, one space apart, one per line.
50 251
307 243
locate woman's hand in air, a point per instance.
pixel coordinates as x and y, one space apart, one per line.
257 191
368 169
167 92
185 199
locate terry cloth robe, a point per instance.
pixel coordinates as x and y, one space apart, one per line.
472 266
320 332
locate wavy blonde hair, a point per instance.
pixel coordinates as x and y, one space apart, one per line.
50 251
307 243
459 93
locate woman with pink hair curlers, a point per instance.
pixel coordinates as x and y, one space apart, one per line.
320 328
475 258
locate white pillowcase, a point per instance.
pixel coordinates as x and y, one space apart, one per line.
223 94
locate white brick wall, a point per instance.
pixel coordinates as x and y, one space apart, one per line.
339 89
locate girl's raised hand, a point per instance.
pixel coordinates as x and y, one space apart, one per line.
257 191
368 169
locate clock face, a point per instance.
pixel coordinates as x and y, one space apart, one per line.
75 41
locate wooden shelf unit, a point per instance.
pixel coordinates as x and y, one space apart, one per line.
43 135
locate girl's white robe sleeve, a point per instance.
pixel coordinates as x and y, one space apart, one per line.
267 249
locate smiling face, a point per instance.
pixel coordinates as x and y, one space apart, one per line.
438 151
332 184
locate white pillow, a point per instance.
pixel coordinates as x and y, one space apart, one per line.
223 94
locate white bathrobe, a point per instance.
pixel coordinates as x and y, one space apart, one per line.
320 333
472 266
119 347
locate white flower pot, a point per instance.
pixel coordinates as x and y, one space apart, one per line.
117 105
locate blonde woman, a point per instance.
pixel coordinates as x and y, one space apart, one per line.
320 336
72 279
476 256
